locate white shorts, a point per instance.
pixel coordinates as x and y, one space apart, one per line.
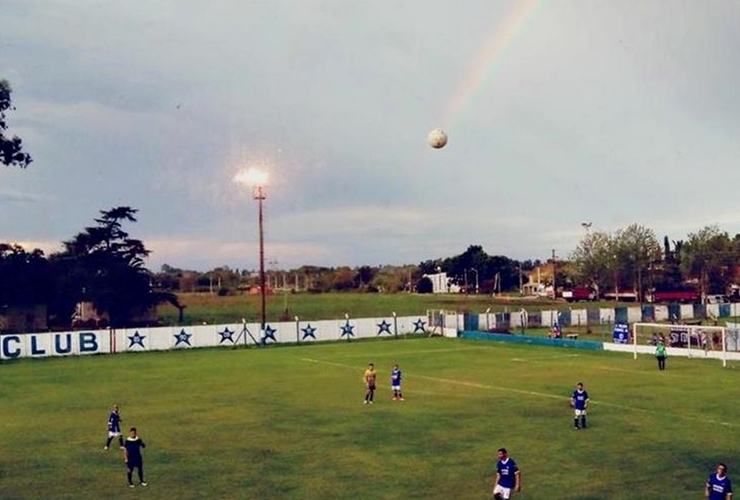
504 492
396 387
112 434
580 413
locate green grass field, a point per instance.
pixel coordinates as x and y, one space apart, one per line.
289 423
201 307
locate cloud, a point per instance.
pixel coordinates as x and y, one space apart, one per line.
7 195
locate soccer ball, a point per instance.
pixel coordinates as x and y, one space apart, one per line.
437 138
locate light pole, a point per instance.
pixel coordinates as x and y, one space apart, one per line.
257 180
476 279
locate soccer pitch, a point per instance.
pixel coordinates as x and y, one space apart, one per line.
290 423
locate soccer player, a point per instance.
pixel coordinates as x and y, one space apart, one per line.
114 427
396 383
369 378
719 486
133 458
508 476
579 401
660 355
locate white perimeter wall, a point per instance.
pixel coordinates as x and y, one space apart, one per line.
37 345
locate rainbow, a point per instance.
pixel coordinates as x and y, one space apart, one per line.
489 58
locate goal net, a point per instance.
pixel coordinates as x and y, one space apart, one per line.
693 341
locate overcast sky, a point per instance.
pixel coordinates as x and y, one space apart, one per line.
558 112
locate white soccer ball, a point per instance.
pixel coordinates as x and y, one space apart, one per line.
437 138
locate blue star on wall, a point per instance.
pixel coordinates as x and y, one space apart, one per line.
183 338
226 335
135 339
384 327
347 330
309 331
269 334
419 325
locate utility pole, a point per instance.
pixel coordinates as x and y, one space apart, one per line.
521 283
554 276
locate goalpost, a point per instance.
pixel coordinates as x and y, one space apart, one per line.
686 340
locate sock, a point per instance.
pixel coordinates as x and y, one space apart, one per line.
107 443
583 422
141 474
130 480
120 441
575 422
400 395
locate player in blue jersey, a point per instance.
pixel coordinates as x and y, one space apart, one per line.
114 427
508 476
718 486
396 383
133 458
579 402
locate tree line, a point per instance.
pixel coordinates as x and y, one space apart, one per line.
102 265
633 259
474 268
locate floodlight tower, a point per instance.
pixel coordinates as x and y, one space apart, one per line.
257 180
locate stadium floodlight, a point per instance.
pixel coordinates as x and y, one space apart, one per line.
257 180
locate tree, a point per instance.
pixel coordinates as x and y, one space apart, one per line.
670 276
343 279
709 257
11 148
593 260
24 275
390 279
365 275
104 266
636 249
424 285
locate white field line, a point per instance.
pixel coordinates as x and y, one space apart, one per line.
420 351
545 358
530 393
341 365
467 348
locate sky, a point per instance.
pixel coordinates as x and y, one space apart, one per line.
558 112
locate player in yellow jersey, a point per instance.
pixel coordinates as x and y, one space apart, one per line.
369 379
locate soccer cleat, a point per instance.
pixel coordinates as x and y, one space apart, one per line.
371 402
401 399
105 447
365 401
130 485
143 484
